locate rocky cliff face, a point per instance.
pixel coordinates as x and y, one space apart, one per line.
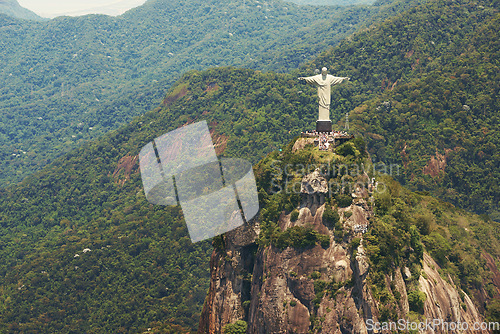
231 270
288 288
319 289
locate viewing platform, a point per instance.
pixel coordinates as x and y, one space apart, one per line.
325 140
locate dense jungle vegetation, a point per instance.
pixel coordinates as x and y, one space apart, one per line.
425 95
71 79
142 267
143 272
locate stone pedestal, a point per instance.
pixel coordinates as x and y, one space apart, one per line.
324 126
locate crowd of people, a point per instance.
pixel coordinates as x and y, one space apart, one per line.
323 142
332 133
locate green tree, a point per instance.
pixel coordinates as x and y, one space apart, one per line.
330 216
239 327
416 300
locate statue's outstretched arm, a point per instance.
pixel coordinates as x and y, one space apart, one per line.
309 80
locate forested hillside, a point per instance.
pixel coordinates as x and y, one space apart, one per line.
12 8
142 270
425 93
83 251
71 79
332 2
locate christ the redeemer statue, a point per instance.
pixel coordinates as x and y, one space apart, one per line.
324 82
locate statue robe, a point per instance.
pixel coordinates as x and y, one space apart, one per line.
324 84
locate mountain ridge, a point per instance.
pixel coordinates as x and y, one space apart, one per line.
91 199
67 80
14 9
151 275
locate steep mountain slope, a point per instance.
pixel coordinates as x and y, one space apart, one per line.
12 8
71 79
325 259
142 270
151 275
426 92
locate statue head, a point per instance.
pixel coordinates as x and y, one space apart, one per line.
324 71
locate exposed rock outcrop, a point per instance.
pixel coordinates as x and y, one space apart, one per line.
230 279
301 143
321 288
314 189
436 165
288 288
443 300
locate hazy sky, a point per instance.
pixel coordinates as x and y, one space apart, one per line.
52 8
